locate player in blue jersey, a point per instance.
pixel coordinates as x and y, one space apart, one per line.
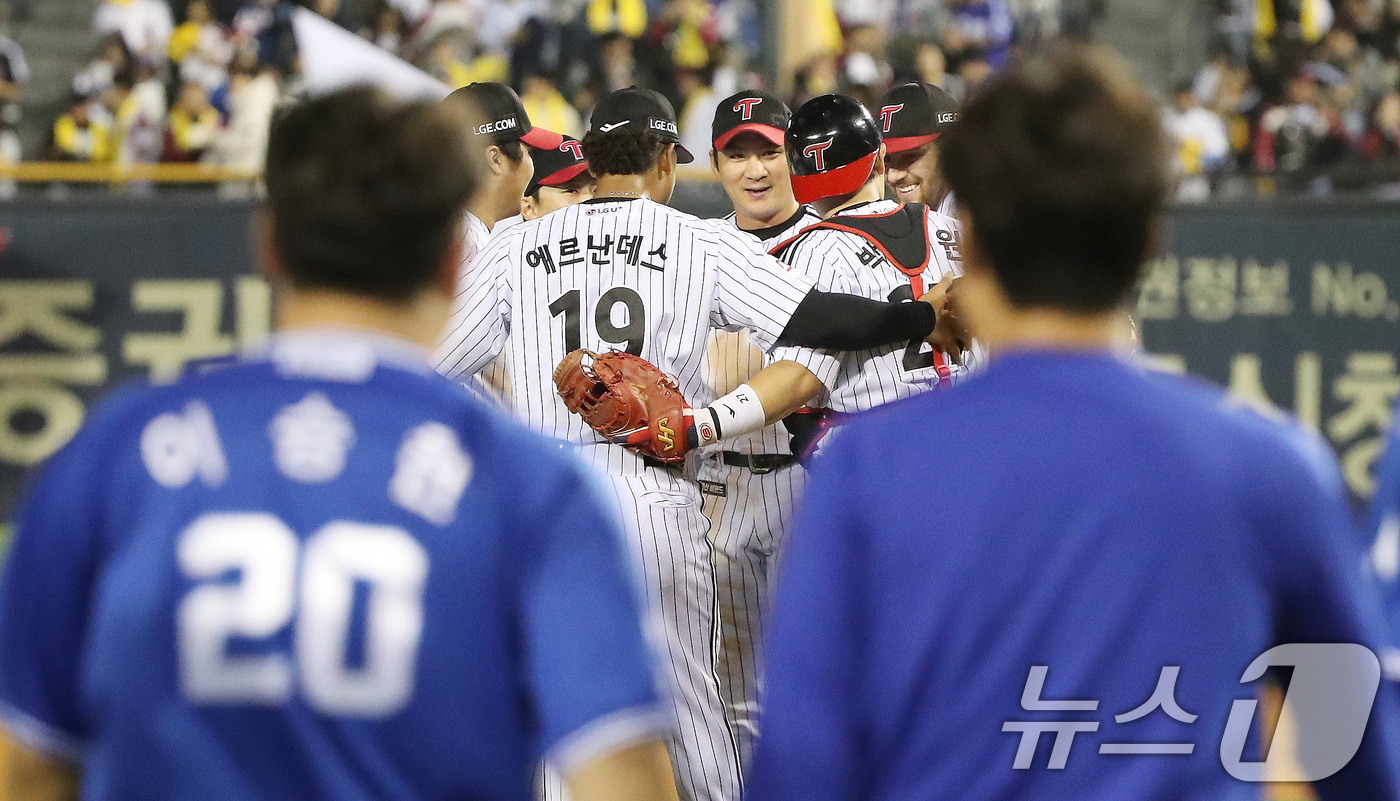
323 571
1385 544
1050 583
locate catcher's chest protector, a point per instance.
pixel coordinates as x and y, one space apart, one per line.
900 235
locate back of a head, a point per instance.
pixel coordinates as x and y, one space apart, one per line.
1061 165
366 192
628 131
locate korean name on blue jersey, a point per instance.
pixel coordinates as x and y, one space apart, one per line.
322 571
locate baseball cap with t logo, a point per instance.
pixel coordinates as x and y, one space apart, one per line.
503 117
639 110
915 114
752 112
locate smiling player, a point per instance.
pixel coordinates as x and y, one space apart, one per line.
913 117
751 483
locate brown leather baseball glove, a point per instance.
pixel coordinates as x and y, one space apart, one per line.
628 400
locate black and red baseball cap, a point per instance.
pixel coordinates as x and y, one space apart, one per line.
914 114
639 110
755 112
831 146
504 115
557 166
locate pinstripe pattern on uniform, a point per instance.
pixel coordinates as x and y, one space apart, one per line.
734 359
713 276
520 303
844 262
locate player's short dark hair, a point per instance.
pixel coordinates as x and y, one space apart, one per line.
513 150
366 192
622 152
1061 164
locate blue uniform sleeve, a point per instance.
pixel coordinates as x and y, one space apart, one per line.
591 672
812 727
45 594
1385 542
1325 594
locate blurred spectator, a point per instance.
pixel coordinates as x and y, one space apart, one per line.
201 48
617 63
11 151
444 17
1036 20
688 29
14 69
387 29
252 97
862 13
819 76
192 126
974 69
137 106
413 11
983 27
497 30
1290 131
145 26
626 17
445 61
866 73
547 107
697 115
931 66
1202 143
79 134
1208 77
265 27
1382 139
334 11
95 78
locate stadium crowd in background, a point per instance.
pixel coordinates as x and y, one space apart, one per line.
1296 95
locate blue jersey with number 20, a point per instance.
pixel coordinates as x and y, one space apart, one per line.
325 573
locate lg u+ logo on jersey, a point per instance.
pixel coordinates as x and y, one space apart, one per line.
817 153
745 106
887 115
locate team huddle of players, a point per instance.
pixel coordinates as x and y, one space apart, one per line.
323 570
616 268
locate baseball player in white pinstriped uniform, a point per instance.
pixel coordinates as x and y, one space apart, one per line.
507 166
623 271
914 117
751 484
867 246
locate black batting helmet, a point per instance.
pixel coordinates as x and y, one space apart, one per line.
831 146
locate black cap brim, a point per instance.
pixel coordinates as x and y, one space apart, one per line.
683 156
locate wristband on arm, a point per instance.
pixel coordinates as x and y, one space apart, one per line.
734 415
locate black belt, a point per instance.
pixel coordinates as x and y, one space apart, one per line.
759 463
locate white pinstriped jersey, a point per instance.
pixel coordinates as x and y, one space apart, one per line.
474 237
948 206
844 262
628 274
734 359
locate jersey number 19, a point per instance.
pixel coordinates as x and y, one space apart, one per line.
632 333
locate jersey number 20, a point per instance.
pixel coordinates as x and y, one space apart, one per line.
632 334
220 623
